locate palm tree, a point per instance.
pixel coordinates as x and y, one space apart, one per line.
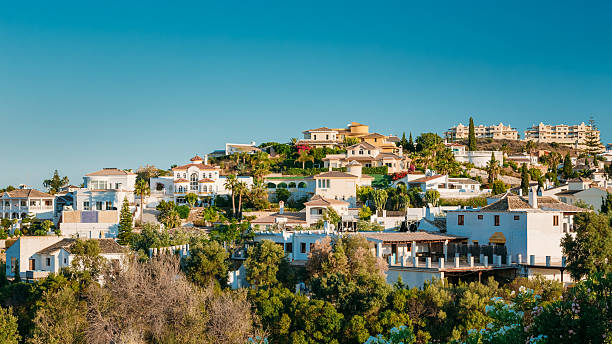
493 169
505 148
142 188
230 184
241 188
260 171
530 146
304 157
171 219
379 197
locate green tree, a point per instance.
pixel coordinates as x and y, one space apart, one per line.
568 170
471 136
427 141
125 223
282 194
350 141
191 199
379 197
398 335
61 319
432 197
524 179
493 169
171 219
142 189
55 183
606 204
365 213
88 264
242 189
591 140
262 264
403 142
410 144
304 157
590 250
8 327
207 262
498 187
230 184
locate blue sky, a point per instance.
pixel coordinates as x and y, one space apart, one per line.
87 85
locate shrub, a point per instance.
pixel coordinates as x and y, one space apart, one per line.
375 170
183 211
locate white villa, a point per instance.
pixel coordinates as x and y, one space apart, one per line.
584 190
196 177
35 257
527 227
18 203
105 190
477 158
368 155
447 187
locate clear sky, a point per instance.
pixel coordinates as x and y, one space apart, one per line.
86 85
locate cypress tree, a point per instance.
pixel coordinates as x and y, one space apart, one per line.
404 143
410 143
524 179
125 223
567 166
472 136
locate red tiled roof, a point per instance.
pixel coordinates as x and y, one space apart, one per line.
318 200
206 180
181 180
319 129
196 158
27 193
335 174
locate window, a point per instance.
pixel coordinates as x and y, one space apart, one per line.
98 205
32 203
480 217
497 220
289 247
193 181
303 247
327 137
516 217
556 220
48 261
460 219
23 203
48 203
361 152
65 260
32 264
109 205
86 205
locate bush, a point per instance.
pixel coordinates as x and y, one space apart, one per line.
375 170
473 202
183 211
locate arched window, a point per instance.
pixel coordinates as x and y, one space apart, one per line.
271 186
193 181
292 185
302 185
282 185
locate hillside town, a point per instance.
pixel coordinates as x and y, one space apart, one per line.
478 203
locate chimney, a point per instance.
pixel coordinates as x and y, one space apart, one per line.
533 199
205 159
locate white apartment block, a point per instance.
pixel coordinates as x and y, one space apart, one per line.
565 134
18 203
500 131
368 155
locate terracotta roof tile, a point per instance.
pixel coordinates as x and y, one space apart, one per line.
335 174
196 158
26 193
181 180
206 180
109 172
199 166
318 200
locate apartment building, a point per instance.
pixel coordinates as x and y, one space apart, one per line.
565 134
496 132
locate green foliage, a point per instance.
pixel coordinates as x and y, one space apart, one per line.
207 262
472 136
432 197
8 327
191 199
183 211
375 170
379 197
590 250
365 213
606 204
350 141
125 224
398 335
493 169
498 187
169 215
367 226
282 195
262 264
55 183
567 170
61 319
525 179
427 141
364 193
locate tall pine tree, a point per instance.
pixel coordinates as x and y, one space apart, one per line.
567 167
472 136
524 180
591 140
410 143
403 142
125 223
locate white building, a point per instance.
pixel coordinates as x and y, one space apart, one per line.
342 185
581 189
478 158
197 177
37 257
105 190
532 226
524 158
368 155
320 137
92 224
575 135
299 186
18 203
447 187
500 131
